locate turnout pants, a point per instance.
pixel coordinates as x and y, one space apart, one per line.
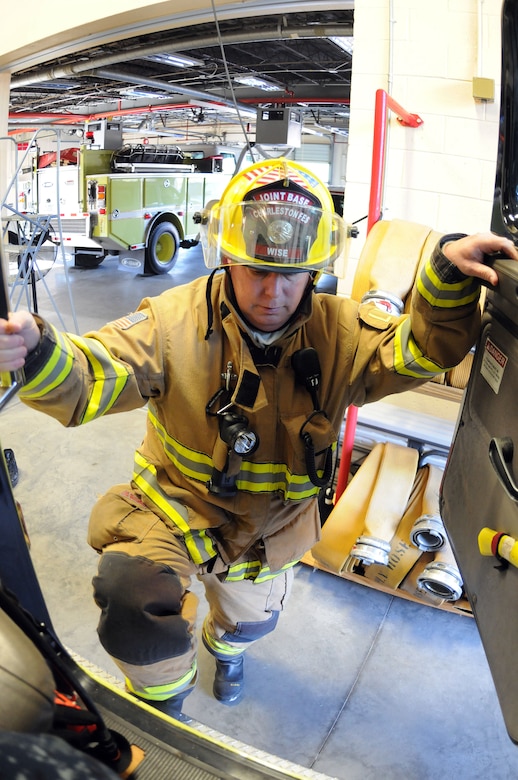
149 614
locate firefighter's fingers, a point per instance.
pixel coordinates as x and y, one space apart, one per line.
22 325
13 352
471 254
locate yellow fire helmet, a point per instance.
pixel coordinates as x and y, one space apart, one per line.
277 215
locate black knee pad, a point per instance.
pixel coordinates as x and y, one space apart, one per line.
141 620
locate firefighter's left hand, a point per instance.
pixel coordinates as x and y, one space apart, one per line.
469 253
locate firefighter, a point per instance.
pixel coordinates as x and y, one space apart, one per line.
246 375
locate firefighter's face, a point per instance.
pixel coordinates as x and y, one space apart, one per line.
267 298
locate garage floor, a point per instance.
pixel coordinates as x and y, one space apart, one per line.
354 683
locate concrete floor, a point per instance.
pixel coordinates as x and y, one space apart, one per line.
354 683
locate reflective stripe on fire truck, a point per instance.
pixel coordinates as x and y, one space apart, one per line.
252 477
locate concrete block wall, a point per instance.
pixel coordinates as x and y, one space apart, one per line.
425 55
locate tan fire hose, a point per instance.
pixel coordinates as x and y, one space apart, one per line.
428 531
387 504
390 257
403 555
369 511
347 519
441 576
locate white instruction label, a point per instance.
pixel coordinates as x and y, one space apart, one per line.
493 365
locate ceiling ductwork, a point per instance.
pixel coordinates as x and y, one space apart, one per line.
214 71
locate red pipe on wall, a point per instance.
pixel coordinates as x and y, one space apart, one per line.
383 103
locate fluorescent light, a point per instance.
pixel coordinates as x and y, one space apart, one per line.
334 130
345 43
255 81
61 85
176 60
133 93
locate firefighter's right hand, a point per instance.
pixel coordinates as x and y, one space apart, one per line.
19 335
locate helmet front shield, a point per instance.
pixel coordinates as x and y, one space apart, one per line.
281 235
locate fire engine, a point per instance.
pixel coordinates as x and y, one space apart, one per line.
133 201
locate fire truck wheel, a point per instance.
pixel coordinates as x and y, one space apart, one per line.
162 248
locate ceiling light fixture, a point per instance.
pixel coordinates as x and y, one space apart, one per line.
60 85
333 130
176 60
255 81
141 92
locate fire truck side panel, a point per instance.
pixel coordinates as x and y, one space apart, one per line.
123 207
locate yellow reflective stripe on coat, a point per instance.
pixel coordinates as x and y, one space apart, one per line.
409 360
197 541
190 463
254 570
252 477
446 296
110 377
54 372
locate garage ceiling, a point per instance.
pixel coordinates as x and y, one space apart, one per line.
305 57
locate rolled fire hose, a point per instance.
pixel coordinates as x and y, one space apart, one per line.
346 520
390 258
441 577
387 504
428 532
403 555
393 254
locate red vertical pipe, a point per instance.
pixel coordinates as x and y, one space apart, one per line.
382 104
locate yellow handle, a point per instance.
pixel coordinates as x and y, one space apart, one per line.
498 544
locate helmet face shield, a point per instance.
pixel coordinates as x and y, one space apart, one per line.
287 224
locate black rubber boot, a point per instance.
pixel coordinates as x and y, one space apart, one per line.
172 706
228 681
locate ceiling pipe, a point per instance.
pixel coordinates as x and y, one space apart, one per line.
119 75
77 118
65 118
280 33
299 100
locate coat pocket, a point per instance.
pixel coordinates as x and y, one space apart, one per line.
119 516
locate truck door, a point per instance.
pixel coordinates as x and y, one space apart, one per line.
479 496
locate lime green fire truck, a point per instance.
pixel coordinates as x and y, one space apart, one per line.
140 202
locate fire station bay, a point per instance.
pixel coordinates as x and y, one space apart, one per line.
258 495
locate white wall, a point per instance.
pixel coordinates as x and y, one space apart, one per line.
425 55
